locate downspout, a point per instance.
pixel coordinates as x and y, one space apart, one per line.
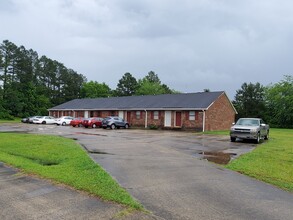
203 120
146 119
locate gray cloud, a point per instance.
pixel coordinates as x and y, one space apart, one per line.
191 45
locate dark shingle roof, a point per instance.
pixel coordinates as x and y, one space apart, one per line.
200 100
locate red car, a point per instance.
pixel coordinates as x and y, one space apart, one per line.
76 122
92 122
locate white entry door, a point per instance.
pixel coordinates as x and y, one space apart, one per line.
167 118
121 115
86 114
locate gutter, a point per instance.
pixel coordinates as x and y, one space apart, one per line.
203 120
132 109
146 119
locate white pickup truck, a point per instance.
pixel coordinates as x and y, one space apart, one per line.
249 128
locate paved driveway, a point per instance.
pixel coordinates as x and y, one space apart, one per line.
167 174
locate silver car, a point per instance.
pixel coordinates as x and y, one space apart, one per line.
250 128
114 122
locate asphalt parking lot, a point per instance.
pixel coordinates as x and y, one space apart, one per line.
169 174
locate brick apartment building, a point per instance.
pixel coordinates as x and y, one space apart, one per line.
202 111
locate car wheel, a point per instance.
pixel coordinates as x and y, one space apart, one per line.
127 126
64 123
43 122
86 126
105 127
267 136
94 126
113 126
233 139
73 125
79 125
258 138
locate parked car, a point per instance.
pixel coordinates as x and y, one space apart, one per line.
64 120
31 119
44 120
250 128
92 122
76 122
25 120
114 122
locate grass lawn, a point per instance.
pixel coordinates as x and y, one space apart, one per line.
216 132
16 120
64 161
271 162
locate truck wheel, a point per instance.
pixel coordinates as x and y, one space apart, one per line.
267 136
258 138
233 139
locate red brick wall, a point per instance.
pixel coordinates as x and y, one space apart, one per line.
79 114
192 124
135 121
159 123
58 114
104 114
220 115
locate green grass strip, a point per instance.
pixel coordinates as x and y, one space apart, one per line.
271 162
63 161
15 120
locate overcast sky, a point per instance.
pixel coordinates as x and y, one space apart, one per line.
191 44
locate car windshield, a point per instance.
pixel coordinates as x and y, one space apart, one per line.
248 122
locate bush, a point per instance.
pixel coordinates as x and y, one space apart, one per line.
6 116
153 127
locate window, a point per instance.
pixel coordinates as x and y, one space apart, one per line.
156 114
191 115
137 114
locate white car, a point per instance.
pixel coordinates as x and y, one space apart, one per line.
44 120
64 120
31 119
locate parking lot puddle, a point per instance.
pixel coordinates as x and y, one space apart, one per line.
216 157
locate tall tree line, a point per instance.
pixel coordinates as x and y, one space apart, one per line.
273 103
30 84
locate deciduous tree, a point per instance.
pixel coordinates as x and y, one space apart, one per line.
279 102
94 89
